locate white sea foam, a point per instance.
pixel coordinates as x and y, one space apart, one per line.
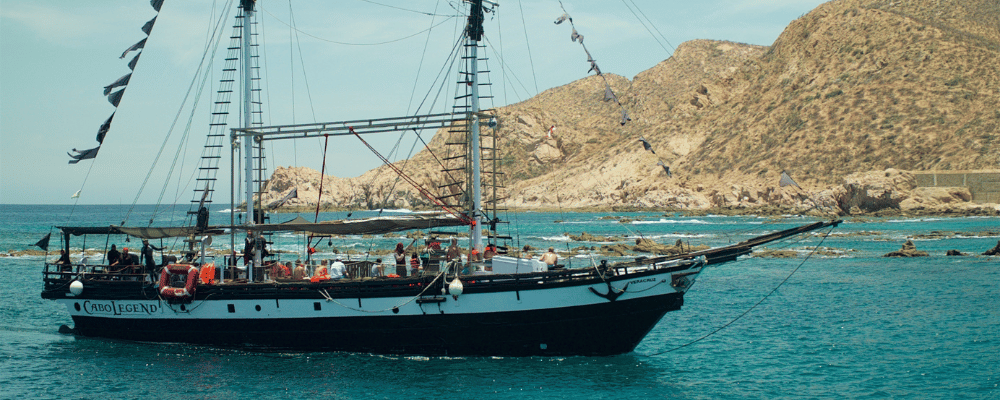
674 221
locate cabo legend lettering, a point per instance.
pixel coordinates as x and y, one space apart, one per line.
119 308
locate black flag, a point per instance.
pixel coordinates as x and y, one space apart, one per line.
149 26
156 4
137 46
119 82
104 129
116 97
44 243
83 154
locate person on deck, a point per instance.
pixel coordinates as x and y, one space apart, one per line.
338 270
400 255
550 258
414 264
300 271
147 256
377 268
454 253
248 248
491 250
114 256
65 264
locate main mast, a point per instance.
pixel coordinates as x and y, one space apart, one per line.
247 7
474 34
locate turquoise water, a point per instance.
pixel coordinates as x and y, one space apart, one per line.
846 324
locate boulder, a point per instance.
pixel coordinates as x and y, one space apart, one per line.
995 251
908 250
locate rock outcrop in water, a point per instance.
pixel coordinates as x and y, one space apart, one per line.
908 250
995 251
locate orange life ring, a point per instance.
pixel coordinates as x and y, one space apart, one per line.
184 293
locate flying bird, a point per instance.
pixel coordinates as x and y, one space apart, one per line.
666 168
646 145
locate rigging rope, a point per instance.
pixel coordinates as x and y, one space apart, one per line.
752 307
194 80
643 23
355 44
412 182
528 45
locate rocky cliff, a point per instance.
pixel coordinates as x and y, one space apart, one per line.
853 86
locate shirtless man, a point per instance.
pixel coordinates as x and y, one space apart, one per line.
454 253
550 258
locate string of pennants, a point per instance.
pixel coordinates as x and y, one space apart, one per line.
115 96
576 37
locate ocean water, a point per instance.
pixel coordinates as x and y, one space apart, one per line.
844 323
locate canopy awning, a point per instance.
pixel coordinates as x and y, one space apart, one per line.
367 226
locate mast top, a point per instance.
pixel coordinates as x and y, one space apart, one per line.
475 28
247 5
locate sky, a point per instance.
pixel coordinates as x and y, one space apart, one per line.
344 60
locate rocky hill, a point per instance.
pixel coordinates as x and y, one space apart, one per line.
853 86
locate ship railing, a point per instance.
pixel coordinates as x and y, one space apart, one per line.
56 271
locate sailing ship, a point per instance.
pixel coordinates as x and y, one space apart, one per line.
467 306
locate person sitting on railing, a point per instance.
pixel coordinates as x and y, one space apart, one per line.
65 264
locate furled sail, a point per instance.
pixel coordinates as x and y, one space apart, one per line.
115 97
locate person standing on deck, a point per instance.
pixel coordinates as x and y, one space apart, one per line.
454 253
400 255
147 256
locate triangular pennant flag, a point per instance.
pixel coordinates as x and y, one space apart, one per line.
103 130
83 155
120 82
137 46
787 181
76 195
666 168
156 4
562 18
608 94
625 117
44 243
148 27
131 64
116 97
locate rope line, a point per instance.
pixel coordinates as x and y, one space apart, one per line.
751 308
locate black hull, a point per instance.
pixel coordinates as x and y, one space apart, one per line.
610 328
